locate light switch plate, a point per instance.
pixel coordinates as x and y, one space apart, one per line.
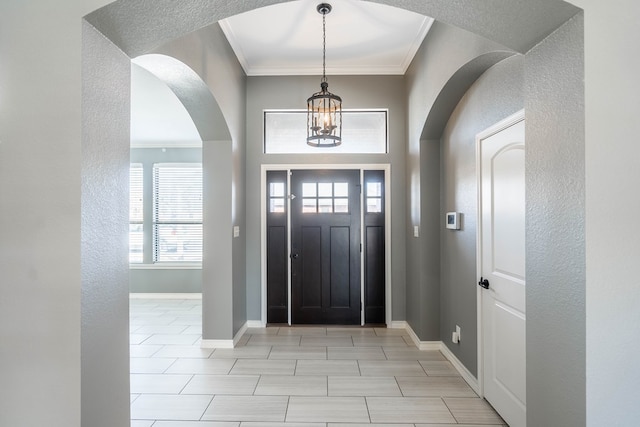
236 231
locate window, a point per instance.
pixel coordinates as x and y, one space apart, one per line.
374 197
177 212
136 208
276 197
325 197
362 132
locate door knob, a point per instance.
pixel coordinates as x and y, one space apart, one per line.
484 283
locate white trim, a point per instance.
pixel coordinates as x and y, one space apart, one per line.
225 343
216 344
362 230
240 333
422 345
165 144
386 167
398 324
442 347
166 266
464 372
492 130
256 324
185 295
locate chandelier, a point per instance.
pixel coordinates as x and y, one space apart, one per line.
324 109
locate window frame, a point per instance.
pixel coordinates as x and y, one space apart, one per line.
155 222
304 149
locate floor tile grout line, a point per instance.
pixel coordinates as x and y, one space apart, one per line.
207 408
449 409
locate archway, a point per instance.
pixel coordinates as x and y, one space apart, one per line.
131 30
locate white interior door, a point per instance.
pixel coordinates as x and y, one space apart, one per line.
502 264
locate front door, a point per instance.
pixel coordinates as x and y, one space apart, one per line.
502 253
325 247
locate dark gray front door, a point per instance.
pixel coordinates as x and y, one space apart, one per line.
325 247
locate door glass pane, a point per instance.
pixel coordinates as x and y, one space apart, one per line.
325 189
308 189
309 205
341 189
374 189
325 205
374 205
341 205
276 189
276 205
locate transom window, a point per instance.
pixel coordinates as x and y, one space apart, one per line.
325 197
363 132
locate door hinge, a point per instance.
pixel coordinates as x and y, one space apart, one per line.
360 247
360 305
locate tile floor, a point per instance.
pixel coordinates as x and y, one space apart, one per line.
289 377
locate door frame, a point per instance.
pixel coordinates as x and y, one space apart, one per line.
386 167
490 131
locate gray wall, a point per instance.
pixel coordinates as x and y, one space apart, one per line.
555 236
497 94
356 92
446 64
105 217
156 279
40 120
208 53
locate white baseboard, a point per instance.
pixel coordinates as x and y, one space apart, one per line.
422 345
225 343
398 324
464 372
448 354
255 324
185 295
216 344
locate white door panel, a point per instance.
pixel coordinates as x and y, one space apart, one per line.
502 264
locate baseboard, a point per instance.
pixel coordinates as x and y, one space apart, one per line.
216 344
240 333
184 295
422 345
255 324
464 372
398 324
448 354
225 343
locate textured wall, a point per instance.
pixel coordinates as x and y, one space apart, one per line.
209 55
497 94
446 64
40 122
105 218
555 218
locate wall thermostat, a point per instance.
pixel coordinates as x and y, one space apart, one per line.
452 220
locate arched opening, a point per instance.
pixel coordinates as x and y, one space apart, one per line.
511 26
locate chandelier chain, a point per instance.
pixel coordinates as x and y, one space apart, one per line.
324 47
